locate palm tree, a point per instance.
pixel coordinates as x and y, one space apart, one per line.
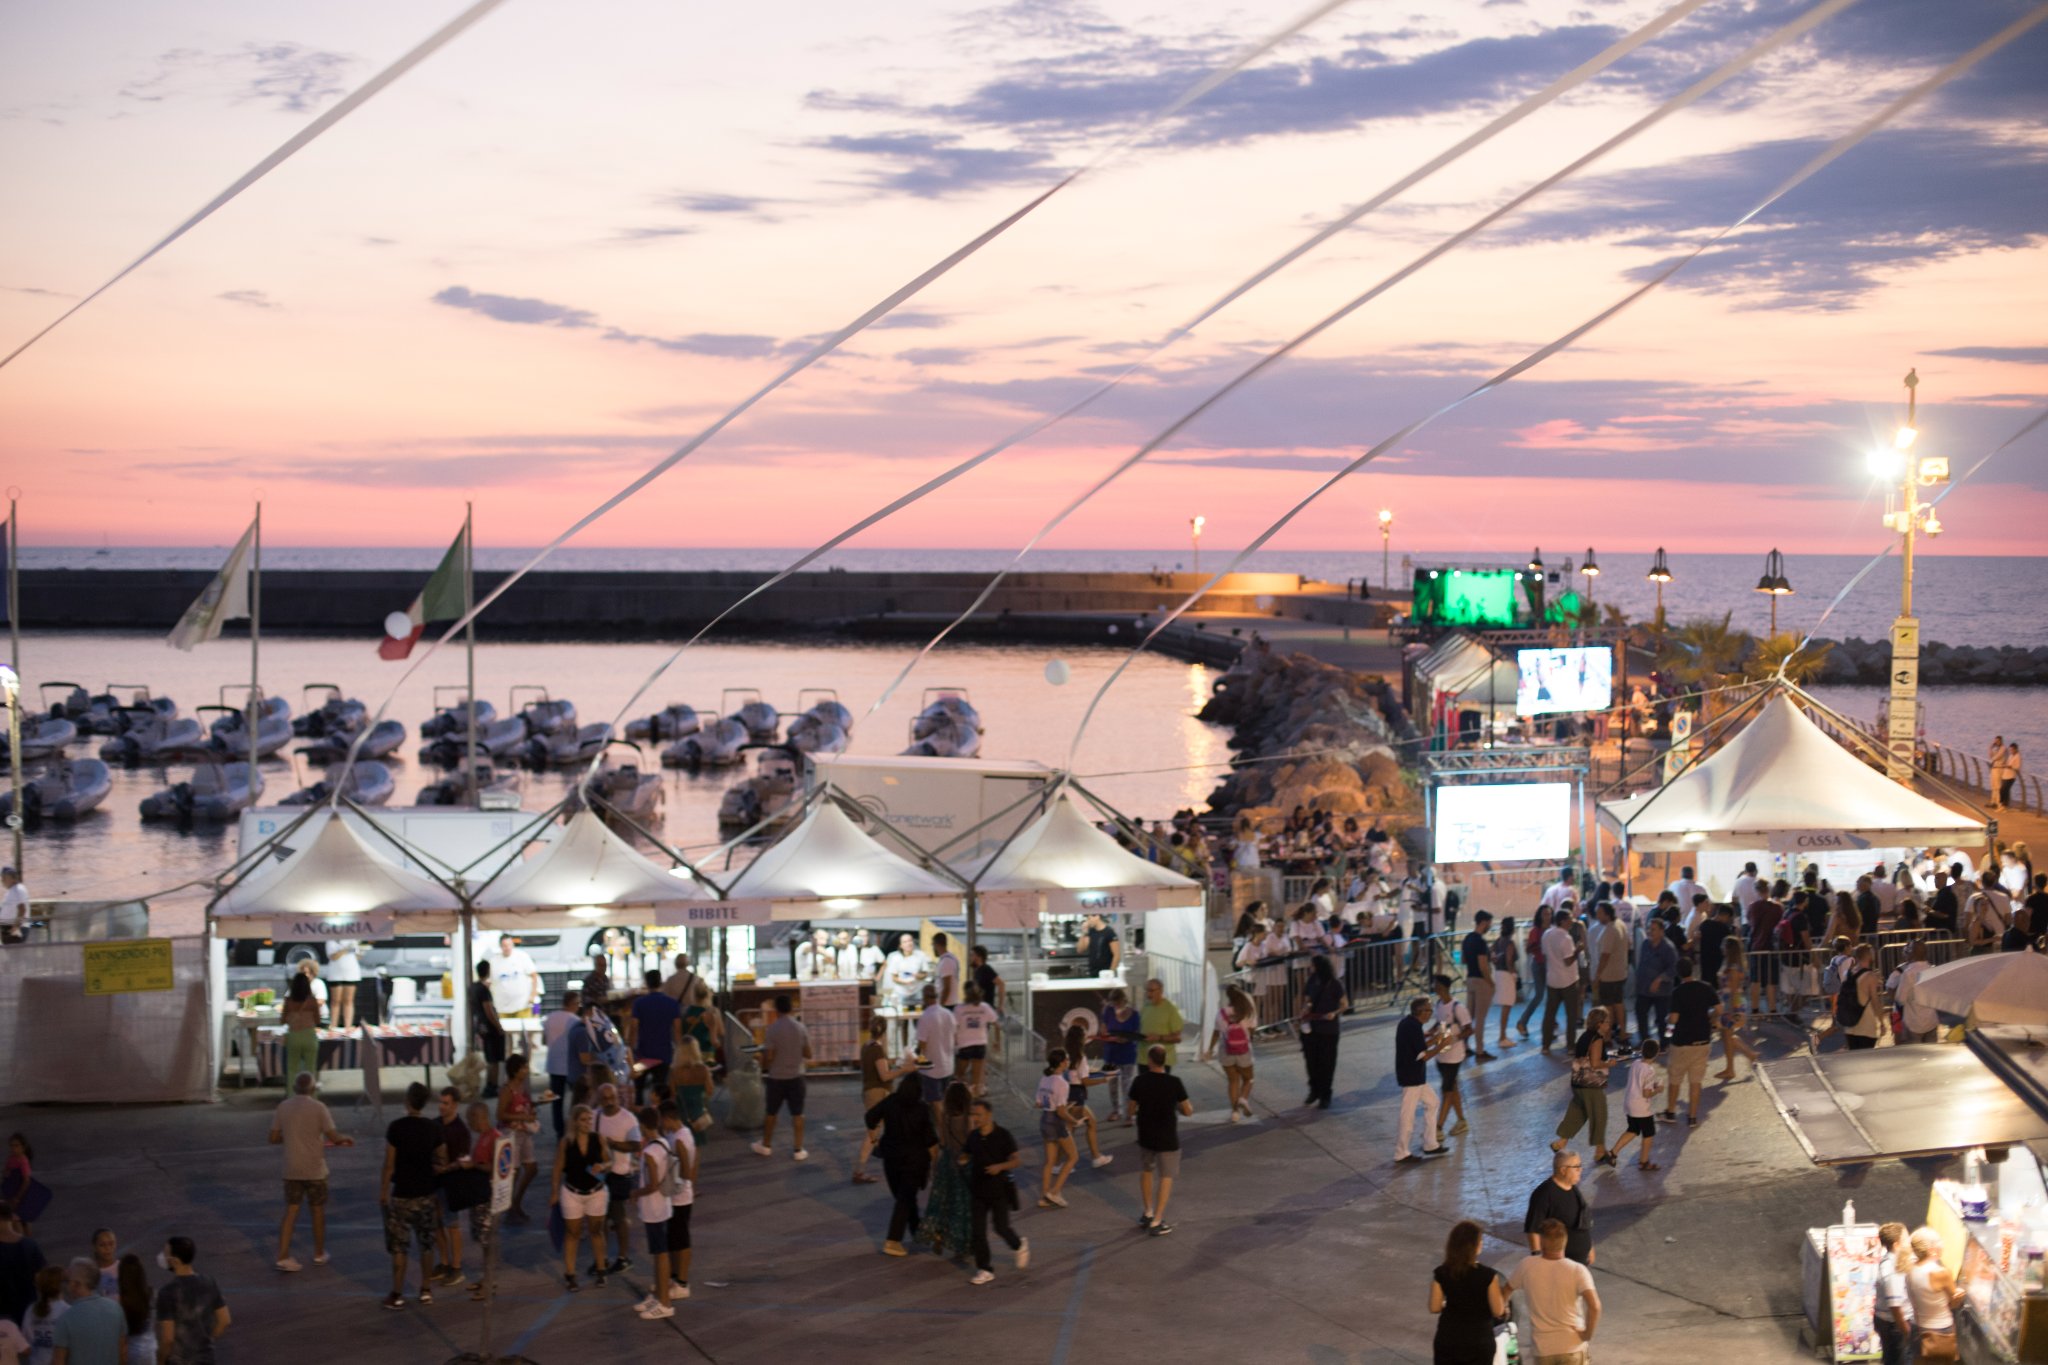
1704 651
1782 653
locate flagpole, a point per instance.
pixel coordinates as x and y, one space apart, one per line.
469 611
14 584
255 648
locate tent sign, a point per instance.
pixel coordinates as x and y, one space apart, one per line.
711 914
320 928
1117 900
1816 841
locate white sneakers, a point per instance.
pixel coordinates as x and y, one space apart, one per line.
1102 1161
657 1312
983 1277
802 1155
289 1265
759 1149
1023 1253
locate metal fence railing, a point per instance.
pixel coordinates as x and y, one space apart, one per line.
1375 973
1796 977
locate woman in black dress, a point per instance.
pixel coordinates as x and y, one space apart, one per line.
1467 1299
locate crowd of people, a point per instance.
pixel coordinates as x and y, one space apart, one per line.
101 1307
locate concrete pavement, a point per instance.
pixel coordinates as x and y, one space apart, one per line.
1296 1238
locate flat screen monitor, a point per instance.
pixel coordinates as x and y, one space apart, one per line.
1560 680
1508 822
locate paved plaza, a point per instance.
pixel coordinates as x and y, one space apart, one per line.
1296 1238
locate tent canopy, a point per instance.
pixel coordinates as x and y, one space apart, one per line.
588 865
1783 784
336 873
1473 673
824 867
1075 866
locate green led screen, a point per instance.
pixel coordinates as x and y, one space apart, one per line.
1486 597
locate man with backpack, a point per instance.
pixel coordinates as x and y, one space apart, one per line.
1857 1013
1987 916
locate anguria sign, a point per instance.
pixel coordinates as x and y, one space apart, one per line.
299 928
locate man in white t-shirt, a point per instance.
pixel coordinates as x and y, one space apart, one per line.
1560 976
681 984
13 907
971 1022
1558 891
1747 892
621 1132
515 981
948 968
936 1027
684 1146
904 974
1685 888
1564 1308
1451 1020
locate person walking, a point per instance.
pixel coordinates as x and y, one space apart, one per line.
1559 1198
1235 1023
577 1188
1891 1311
1858 1011
1608 946
974 1019
1564 1307
785 1048
949 1210
1560 975
1414 1045
1734 961
1645 1083
1159 1100
1080 1077
1122 1030
1467 1299
1477 958
1507 956
305 1129
936 1031
1933 1294
560 1062
191 1315
1656 977
1695 1010
878 1077
1532 951
1322 1007
519 1119
1160 1020
413 1152
1056 1126
908 1146
1450 1021
487 1027
1588 1107
991 1155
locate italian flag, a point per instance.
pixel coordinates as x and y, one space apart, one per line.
442 600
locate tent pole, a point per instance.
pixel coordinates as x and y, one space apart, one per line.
464 1039
973 918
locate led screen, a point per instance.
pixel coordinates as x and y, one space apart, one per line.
1511 822
1554 680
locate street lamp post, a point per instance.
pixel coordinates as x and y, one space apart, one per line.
1908 517
1195 525
1660 574
1775 583
10 684
1386 537
1592 571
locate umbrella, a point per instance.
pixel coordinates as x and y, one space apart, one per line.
2000 988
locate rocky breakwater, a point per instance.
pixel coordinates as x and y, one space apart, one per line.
1330 736
1869 661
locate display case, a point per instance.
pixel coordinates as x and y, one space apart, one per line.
1997 1258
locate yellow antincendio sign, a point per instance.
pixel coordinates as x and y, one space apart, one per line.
137 964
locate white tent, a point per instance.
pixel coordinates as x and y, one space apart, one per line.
589 872
1064 864
1782 785
334 875
825 868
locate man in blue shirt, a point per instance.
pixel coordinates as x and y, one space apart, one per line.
1656 976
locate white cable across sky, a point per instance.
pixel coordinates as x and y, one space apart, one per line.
1889 111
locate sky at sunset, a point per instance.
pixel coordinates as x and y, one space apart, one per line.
581 232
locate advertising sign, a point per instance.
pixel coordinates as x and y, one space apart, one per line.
304 928
712 914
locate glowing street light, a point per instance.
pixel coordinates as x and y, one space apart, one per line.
1775 583
1908 515
1591 570
1660 574
1386 536
1195 525
10 686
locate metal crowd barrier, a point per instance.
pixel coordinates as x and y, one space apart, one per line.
1375 973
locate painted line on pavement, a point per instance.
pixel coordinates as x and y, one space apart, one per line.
548 1315
1072 1317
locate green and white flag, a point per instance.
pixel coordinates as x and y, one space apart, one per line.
226 599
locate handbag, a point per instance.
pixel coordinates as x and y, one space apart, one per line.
1937 1345
466 1187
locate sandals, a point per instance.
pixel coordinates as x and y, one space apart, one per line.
569 1284
1610 1159
1648 1166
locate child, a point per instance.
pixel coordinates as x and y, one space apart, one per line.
39 1323
684 1148
655 1198
1643 1088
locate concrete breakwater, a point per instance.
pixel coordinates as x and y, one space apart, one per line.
1348 729
1870 661
622 605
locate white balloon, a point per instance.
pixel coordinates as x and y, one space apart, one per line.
1057 672
1112 630
398 625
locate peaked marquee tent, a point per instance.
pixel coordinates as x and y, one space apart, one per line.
1063 864
337 873
589 872
824 867
1783 785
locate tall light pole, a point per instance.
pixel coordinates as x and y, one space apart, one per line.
1775 583
10 685
1195 525
1907 516
1592 571
1660 574
1386 538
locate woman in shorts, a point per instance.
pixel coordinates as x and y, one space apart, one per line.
581 1160
1234 1025
519 1119
1056 1127
1079 1077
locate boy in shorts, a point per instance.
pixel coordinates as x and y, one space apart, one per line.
1644 1085
683 1146
652 1201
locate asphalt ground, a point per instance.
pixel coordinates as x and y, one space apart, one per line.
1297 1238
